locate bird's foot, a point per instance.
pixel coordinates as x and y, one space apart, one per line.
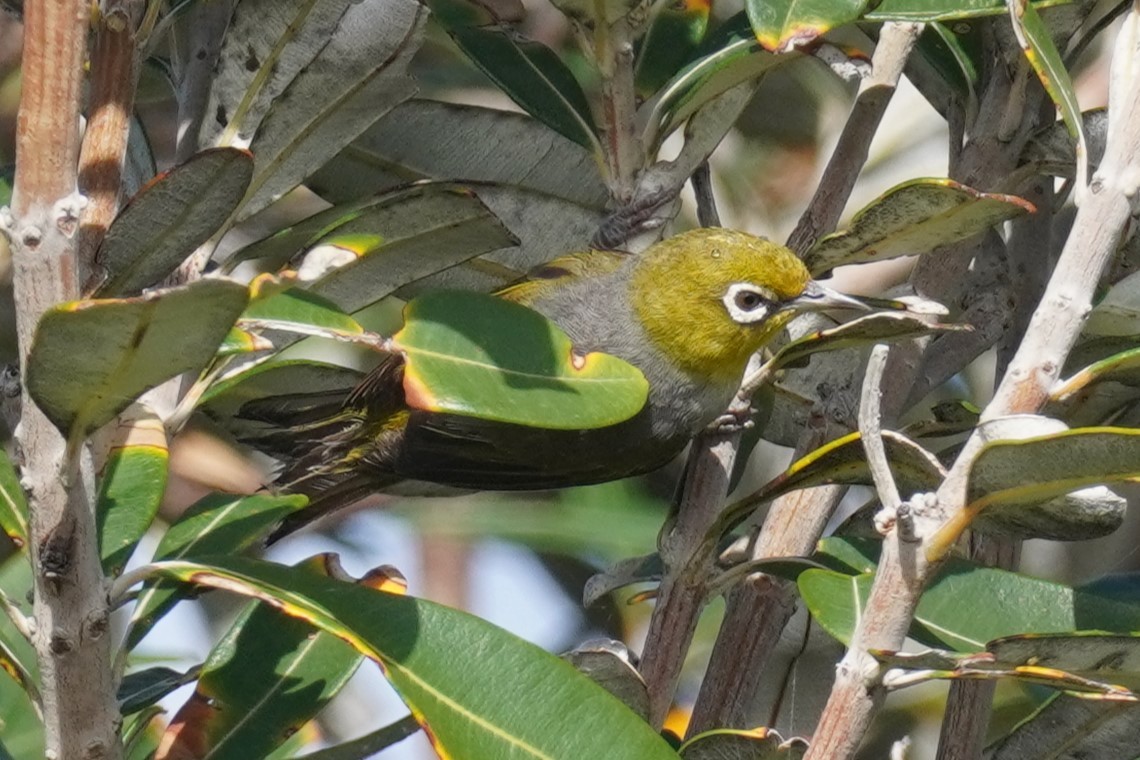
733 421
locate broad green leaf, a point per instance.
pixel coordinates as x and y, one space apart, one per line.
1017 474
873 328
781 25
534 77
267 45
1118 313
733 743
1067 726
845 461
91 359
268 676
239 341
918 216
1120 368
732 57
1092 654
941 10
13 504
521 703
481 356
674 33
426 139
216 524
22 731
1037 42
21 728
1001 603
358 77
144 688
276 377
299 311
169 218
131 485
460 229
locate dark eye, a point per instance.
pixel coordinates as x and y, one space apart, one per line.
749 300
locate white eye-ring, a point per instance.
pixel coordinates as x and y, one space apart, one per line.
748 303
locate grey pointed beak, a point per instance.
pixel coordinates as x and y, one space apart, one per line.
818 298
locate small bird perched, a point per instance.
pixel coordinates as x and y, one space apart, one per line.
688 312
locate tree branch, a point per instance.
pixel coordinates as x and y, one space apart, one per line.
71 634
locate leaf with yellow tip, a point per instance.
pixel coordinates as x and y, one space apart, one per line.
13 503
480 356
781 25
752 743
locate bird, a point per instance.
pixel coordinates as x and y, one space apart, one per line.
689 312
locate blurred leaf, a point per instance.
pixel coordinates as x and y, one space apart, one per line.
453 227
358 77
732 56
674 33
426 139
131 485
1001 603
534 77
918 216
169 218
781 25
139 166
13 504
1118 313
239 341
22 732
743 744
954 55
848 555
1091 654
268 676
21 729
1053 148
91 359
607 664
432 655
1076 727
480 356
1035 39
949 418
216 524
267 45
144 688
941 10
592 14
142 733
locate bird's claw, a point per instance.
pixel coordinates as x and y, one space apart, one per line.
733 422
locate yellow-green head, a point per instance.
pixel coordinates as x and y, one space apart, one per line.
710 298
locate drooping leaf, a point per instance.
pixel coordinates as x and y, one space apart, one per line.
1121 368
169 218
732 57
358 77
1101 656
915 217
131 485
533 76
138 164
426 139
144 688
781 25
13 503
471 354
476 706
218 523
674 33
1068 726
91 359
1037 42
941 10
268 676
267 45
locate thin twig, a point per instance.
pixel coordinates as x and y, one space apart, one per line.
871 431
21 622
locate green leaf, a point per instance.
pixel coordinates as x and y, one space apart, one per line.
426 139
143 688
477 706
1119 368
276 377
781 25
918 216
534 77
1037 42
473 354
1118 313
954 54
267 44
131 485
13 504
1001 603
21 729
733 743
591 13
1091 654
216 524
91 359
733 57
674 33
299 311
169 218
360 75
941 10
268 676
1079 727
239 341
